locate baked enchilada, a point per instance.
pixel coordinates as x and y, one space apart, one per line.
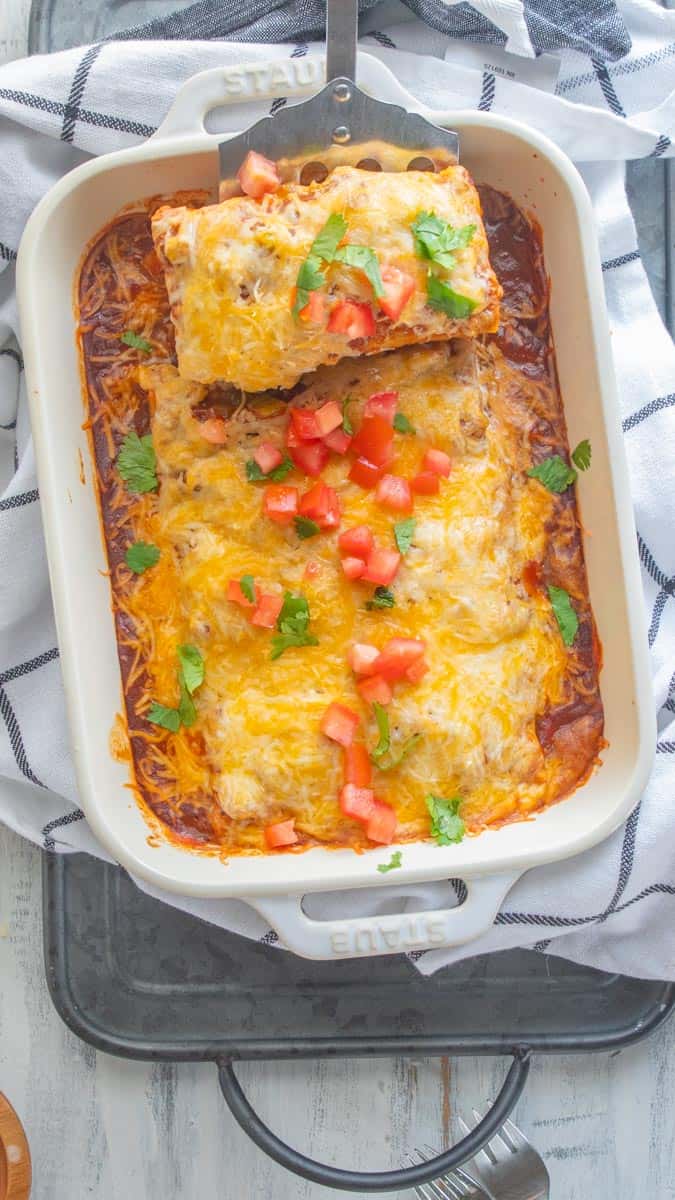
351 613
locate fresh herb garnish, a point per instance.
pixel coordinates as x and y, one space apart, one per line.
403 752
292 623
191 667
364 259
404 532
347 426
441 296
140 556
168 718
568 621
394 862
305 527
384 742
554 473
581 455
137 343
136 463
402 424
190 677
382 597
247 585
323 249
446 824
255 475
436 239
186 707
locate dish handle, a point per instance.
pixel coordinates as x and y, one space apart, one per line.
391 933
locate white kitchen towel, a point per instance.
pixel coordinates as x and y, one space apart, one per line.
611 907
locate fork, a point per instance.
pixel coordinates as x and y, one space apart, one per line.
509 1165
450 1187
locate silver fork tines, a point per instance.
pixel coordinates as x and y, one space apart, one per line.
509 1165
450 1187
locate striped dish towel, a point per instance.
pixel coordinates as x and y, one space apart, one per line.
612 907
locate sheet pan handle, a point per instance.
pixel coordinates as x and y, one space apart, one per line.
376 1181
392 933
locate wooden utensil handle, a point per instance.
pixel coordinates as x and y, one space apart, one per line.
15 1166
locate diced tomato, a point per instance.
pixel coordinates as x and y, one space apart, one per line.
427 483
358 769
375 440
312 569
310 457
382 404
381 565
304 424
381 825
328 417
531 577
365 473
394 492
437 461
314 311
281 834
357 802
267 457
417 670
267 611
235 594
353 567
354 319
338 441
339 723
361 658
280 503
214 430
292 439
321 504
358 541
397 655
375 688
258 175
398 288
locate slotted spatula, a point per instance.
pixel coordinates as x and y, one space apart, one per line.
340 125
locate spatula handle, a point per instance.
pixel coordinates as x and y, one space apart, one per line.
342 23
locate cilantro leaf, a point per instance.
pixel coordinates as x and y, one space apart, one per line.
446 824
305 527
186 707
284 641
140 556
255 475
382 718
137 343
568 621
292 623
326 242
394 862
136 463
554 473
363 259
323 248
347 426
191 667
435 239
581 455
247 588
168 718
402 424
403 752
382 597
442 297
404 532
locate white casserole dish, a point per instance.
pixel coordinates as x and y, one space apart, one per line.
181 154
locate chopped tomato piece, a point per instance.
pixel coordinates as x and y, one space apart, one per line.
381 825
354 319
235 594
267 457
381 566
328 417
314 311
338 441
365 473
267 611
339 723
531 577
358 769
427 483
375 440
353 567
357 802
321 504
214 430
280 503
310 457
394 492
361 657
258 175
375 688
438 462
382 404
304 424
417 670
281 834
398 288
358 541
312 569
397 655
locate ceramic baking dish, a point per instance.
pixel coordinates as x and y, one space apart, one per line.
182 154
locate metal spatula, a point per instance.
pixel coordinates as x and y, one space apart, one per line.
340 125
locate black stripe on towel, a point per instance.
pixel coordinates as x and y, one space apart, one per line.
72 109
58 823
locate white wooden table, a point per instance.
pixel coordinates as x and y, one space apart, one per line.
117 1130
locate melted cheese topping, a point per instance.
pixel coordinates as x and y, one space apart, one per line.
231 271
